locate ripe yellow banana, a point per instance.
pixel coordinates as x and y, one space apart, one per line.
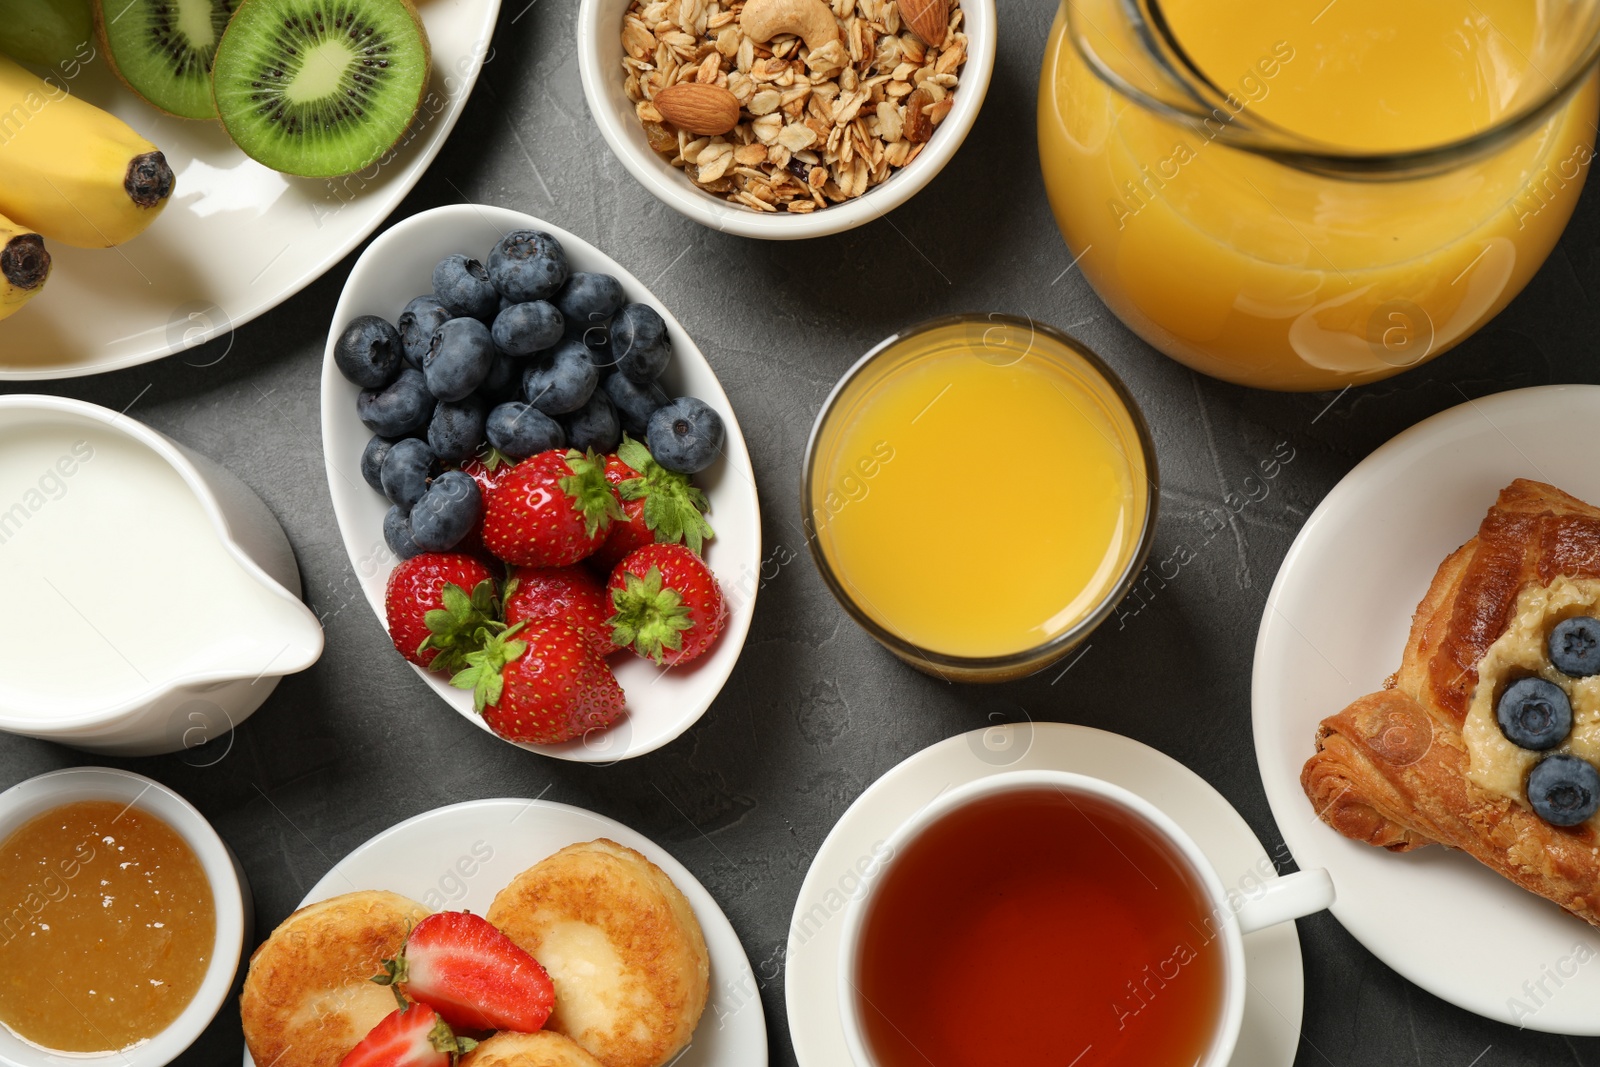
24 266
71 171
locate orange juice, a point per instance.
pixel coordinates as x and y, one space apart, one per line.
1262 273
978 490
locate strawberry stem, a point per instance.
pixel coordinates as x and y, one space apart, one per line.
649 618
590 493
463 625
674 510
483 667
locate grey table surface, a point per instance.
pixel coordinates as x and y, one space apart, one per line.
814 711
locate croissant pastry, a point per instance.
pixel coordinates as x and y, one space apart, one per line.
1425 760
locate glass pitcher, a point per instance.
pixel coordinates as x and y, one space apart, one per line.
1304 194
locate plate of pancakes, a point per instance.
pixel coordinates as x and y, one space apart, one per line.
646 967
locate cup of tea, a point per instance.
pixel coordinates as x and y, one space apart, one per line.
1037 917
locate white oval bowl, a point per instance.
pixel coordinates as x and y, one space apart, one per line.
600 67
230 894
662 703
173 713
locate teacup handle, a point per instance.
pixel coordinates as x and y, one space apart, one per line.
1285 898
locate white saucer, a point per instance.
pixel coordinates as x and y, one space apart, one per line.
1334 628
1275 1001
458 857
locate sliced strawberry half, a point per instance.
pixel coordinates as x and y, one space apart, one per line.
459 965
413 1036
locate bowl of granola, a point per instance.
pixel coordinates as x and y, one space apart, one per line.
784 119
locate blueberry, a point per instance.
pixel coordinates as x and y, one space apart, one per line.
590 299
595 426
462 286
523 329
456 430
368 352
639 343
1564 790
596 342
447 512
528 265
399 408
520 430
504 381
562 380
459 359
406 471
418 322
685 435
1534 713
635 403
372 459
1575 646
397 533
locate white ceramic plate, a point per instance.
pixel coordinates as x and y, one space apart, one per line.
237 239
1275 1001
458 857
399 265
1334 628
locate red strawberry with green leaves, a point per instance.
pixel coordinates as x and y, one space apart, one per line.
473 975
544 687
551 510
573 595
668 605
488 470
436 605
658 505
412 1036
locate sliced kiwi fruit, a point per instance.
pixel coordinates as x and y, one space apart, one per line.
320 88
162 49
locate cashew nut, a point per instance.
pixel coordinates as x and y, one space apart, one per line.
811 20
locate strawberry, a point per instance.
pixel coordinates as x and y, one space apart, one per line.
433 619
539 595
544 690
473 975
657 505
412 1036
551 510
668 605
488 471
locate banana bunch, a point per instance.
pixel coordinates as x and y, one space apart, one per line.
24 266
71 171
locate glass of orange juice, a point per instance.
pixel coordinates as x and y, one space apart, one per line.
1305 194
979 492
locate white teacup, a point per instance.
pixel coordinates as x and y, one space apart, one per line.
1275 901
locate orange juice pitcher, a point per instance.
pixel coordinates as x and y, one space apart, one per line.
1305 194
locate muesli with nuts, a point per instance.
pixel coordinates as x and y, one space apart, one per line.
790 105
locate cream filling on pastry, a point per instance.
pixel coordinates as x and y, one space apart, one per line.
1496 764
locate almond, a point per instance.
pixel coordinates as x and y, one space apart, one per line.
698 108
928 19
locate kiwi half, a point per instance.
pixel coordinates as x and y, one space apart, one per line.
162 49
320 88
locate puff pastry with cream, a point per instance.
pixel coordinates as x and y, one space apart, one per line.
1416 763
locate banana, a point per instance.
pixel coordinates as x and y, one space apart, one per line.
24 266
71 171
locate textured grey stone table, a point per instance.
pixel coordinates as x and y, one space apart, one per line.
815 711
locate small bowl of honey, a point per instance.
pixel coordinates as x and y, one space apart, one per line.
979 492
123 918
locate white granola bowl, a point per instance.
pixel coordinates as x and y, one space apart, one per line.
600 65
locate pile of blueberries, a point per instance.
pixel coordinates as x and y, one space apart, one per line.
520 355
1536 714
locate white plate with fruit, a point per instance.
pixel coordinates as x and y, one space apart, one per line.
484 369
622 957
162 225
